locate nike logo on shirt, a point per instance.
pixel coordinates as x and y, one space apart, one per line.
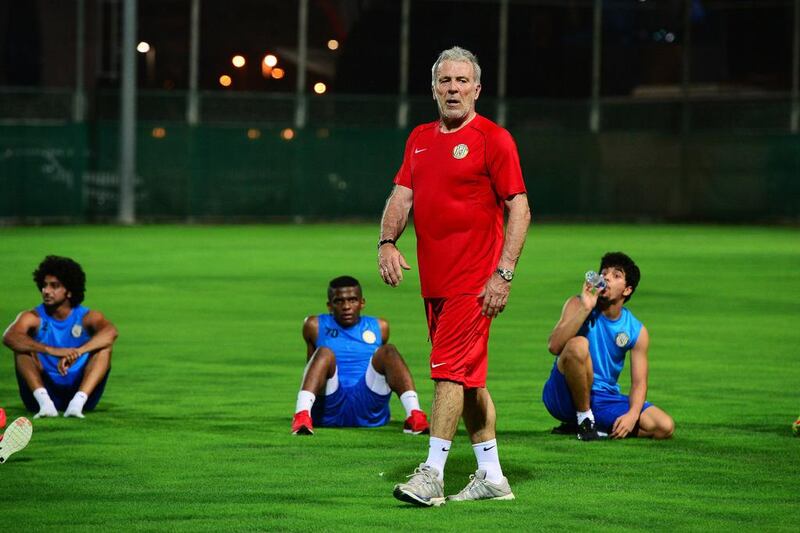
418 150
437 365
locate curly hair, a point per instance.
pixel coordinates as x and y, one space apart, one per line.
68 272
341 282
623 262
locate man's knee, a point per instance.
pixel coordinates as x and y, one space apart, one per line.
27 361
387 357
101 357
657 423
323 354
389 351
665 428
576 351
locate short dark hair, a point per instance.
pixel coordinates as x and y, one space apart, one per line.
68 272
623 262
342 281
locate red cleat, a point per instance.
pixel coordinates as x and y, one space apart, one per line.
301 424
416 423
2 418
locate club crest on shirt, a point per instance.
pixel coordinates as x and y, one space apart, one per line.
77 330
369 337
461 151
621 339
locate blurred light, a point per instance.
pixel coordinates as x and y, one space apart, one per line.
323 133
225 80
287 134
670 37
159 133
253 134
278 73
270 60
320 87
238 61
333 44
143 47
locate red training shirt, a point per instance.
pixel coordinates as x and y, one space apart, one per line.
460 181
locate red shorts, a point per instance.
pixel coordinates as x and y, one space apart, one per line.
460 337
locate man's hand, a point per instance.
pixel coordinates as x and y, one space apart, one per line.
495 296
63 366
589 296
624 425
391 264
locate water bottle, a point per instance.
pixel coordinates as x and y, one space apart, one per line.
596 280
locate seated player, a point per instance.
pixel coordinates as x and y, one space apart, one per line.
591 339
352 367
62 350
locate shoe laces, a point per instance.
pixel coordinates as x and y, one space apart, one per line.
474 484
421 476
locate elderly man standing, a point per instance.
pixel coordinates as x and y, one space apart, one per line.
460 174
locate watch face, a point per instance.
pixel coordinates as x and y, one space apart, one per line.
505 274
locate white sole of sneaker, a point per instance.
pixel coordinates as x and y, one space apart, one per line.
506 497
408 497
16 437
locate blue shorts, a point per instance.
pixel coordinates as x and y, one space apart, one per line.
353 406
606 406
59 393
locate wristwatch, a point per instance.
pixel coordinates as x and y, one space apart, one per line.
505 273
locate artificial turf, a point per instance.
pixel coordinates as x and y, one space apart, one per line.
192 433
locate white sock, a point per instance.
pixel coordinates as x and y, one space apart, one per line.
583 415
410 401
46 405
42 397
486 454
437 454
305 400
75 407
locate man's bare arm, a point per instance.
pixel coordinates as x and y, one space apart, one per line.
18 335
519 219
391 262
310 333
495 292
103 332
625 424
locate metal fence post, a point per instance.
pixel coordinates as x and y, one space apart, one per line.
597 49
127 149
402 108
302 58
502 65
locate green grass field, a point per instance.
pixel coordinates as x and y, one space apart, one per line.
193 431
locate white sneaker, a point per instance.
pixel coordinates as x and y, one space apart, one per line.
15 438
480 488
46 411
423 488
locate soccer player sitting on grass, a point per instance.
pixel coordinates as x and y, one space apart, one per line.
591 339
62 350
350 362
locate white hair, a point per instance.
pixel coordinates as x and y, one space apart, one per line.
457 53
